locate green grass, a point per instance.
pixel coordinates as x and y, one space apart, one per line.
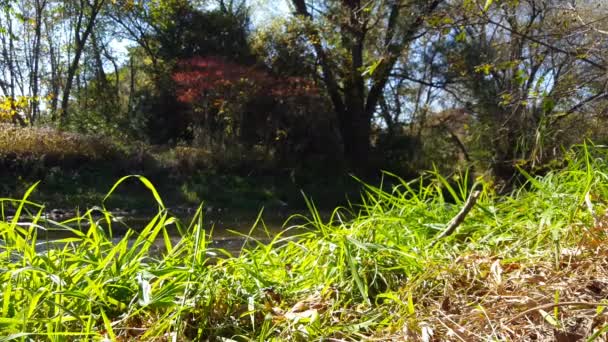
370 271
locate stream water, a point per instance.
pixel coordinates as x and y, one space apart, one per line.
227 228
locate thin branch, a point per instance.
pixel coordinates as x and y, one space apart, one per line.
600 94
459 218
547 45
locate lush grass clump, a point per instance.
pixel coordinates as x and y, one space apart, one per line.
530 265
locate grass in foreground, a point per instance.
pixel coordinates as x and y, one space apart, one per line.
531 265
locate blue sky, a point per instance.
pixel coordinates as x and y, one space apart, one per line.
265 10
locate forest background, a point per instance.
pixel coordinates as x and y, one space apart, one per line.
244 103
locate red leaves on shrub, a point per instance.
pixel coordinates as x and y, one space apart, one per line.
199 77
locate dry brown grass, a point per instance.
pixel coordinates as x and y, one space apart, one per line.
49 143
484 298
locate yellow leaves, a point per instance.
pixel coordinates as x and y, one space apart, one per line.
510 64
506 99
469 5
462 36
438 21
280 135
484 68
9 106
314 39
372 68
487 5
126 5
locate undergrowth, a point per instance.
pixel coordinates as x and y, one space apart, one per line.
76 170
531 265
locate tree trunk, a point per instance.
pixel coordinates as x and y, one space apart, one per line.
356 132
80 39
130 102
65 100
34 77
105 89
54 80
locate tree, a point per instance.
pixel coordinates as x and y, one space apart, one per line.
526 66
85 12
349 36
171 33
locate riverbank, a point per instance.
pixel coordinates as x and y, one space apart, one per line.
528 265
76 171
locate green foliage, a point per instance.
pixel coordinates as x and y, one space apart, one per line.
511 81
283 49
191 32
530 73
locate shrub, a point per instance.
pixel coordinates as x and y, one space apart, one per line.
22 148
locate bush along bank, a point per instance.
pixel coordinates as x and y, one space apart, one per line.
75 170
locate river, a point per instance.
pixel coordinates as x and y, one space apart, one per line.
227 228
